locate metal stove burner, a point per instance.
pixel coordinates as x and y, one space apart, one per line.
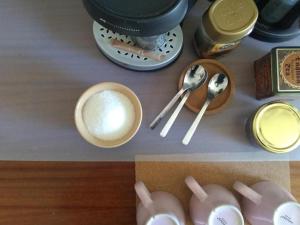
171 48
150 43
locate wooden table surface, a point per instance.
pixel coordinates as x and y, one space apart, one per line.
48 193
47 59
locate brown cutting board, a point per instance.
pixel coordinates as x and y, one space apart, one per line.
169 176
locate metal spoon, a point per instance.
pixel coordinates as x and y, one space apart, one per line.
216 86
192 79
174 115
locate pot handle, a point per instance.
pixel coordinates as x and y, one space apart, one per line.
145 196
196 188
247 192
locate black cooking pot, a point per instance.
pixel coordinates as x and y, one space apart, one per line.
285 28
138 17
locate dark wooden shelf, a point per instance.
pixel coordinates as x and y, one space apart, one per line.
75 193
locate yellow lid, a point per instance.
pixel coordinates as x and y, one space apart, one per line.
230 20
276 127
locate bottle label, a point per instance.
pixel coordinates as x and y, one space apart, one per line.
217 48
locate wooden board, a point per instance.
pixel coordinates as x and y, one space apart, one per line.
169 176
295 179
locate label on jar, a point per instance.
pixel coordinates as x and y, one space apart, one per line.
206 47
217 48
288 70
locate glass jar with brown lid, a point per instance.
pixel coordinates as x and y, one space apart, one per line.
223 26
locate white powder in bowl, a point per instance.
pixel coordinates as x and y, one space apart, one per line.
108 115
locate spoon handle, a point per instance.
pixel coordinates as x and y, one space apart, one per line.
188 136
166 109
173 117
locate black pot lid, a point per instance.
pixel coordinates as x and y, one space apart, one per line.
138 17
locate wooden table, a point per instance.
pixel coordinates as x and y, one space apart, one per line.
47 59
75 193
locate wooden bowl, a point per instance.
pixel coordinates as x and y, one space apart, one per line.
198 96
80 124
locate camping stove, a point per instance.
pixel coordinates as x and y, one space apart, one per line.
139 35
170 48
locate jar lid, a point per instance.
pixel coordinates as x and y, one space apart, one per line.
276 126
230 20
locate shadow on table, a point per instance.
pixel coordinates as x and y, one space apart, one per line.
44 100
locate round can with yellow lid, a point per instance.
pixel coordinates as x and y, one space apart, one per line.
275 126
223 25
230 20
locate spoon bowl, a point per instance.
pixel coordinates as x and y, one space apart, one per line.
217 85
194 77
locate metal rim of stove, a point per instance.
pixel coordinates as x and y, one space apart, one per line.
172 49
